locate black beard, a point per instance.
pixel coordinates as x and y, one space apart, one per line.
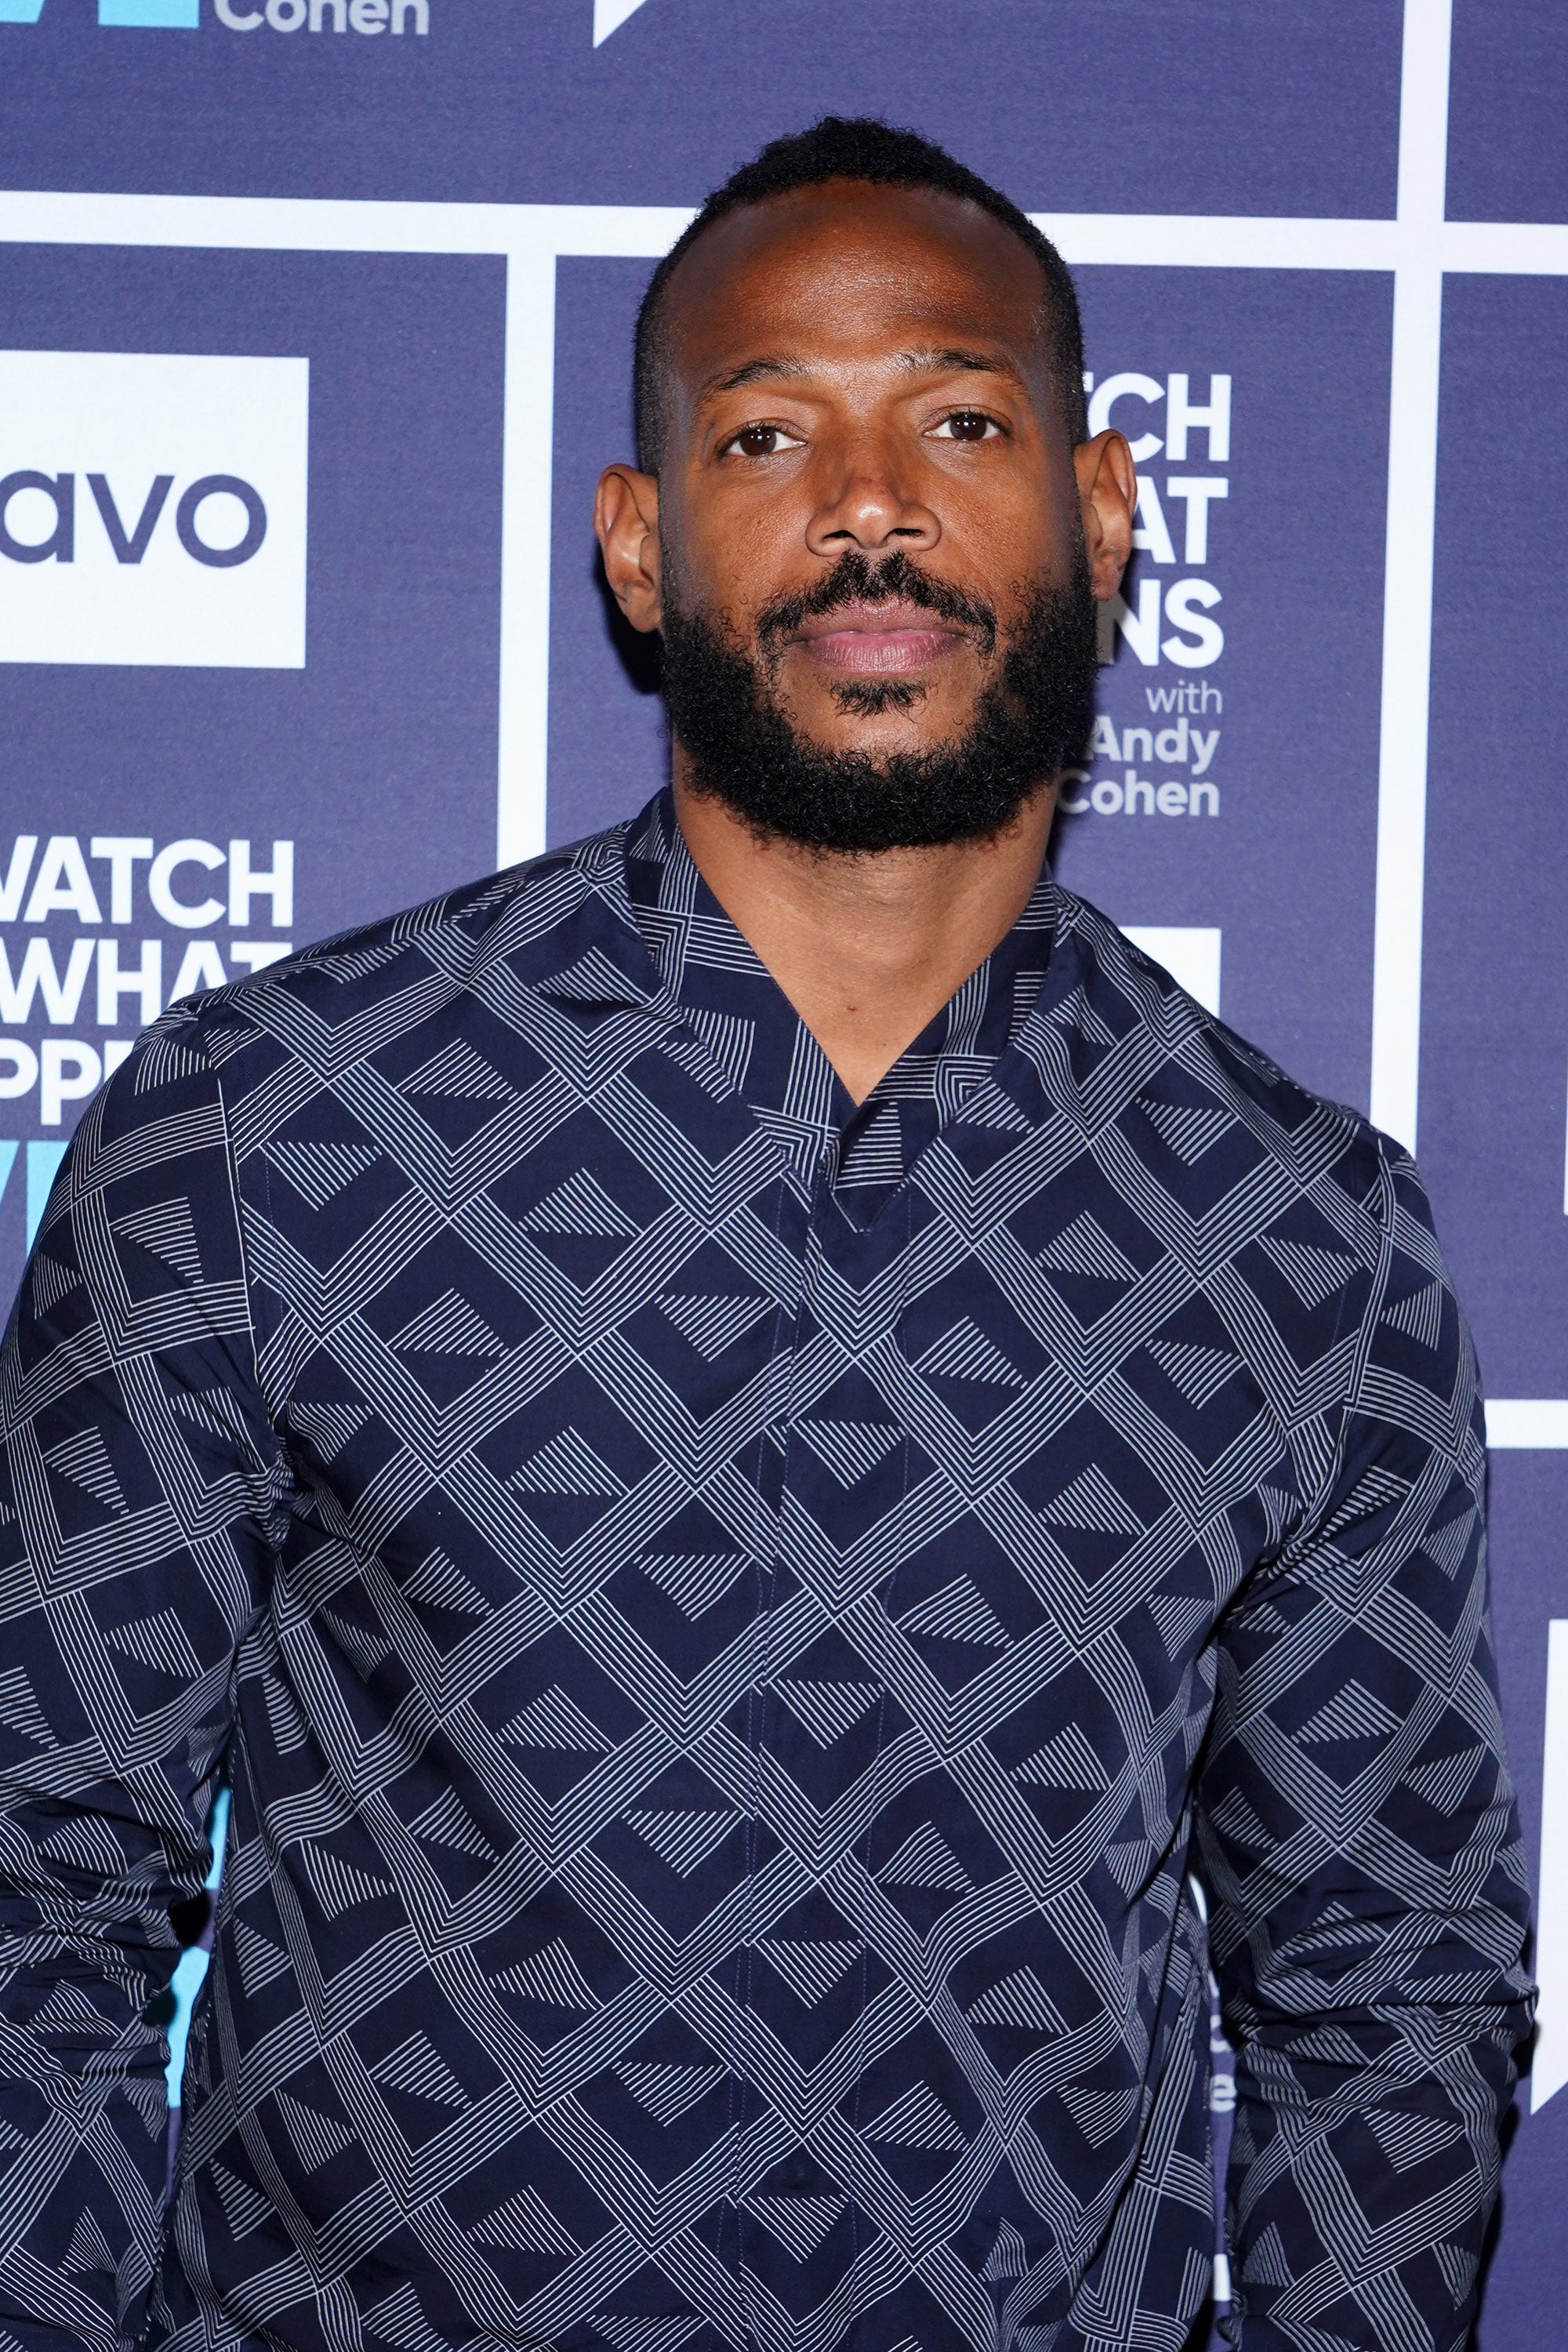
1030 721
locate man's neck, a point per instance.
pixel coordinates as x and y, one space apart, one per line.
866 949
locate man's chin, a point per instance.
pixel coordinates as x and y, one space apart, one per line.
879 718
857 806
953 765
876 744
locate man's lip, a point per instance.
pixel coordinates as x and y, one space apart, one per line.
891 636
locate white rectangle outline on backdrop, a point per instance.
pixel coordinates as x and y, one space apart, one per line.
1416 248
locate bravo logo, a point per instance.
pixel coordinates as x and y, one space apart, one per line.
282 16
152 509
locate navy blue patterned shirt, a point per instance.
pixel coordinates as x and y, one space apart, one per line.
734 1621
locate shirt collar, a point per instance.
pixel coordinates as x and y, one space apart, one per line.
712 978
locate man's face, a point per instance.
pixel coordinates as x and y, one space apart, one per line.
865 544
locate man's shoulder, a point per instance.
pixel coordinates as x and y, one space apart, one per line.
1211 1072
521 912
537 919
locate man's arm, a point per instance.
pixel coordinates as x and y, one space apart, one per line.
138 1475
1369 1898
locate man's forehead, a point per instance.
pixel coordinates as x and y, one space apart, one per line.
935 270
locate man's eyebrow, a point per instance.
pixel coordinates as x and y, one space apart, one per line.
754 372
959 360
924 362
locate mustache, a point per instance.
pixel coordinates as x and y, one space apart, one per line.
1030 717
854 580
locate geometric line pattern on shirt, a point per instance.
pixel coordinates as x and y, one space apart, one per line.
731 1615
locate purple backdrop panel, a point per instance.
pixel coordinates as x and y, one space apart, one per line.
606 723
1281 720
1508 159
1133 105
1494 1051
373 758
1529 2273
1247 668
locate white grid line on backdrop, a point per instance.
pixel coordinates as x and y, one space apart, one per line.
1419 247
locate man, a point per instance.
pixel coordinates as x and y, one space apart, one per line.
750 1444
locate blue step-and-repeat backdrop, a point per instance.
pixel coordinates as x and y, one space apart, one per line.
315 331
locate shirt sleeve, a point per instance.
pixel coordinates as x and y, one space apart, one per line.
1368 1893
138 1480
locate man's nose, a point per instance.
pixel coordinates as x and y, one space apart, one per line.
870 503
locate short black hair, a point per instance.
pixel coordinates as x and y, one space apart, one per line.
858 147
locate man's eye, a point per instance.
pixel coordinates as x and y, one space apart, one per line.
968 424
762 440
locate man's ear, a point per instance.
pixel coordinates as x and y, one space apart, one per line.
1108 494
625 517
